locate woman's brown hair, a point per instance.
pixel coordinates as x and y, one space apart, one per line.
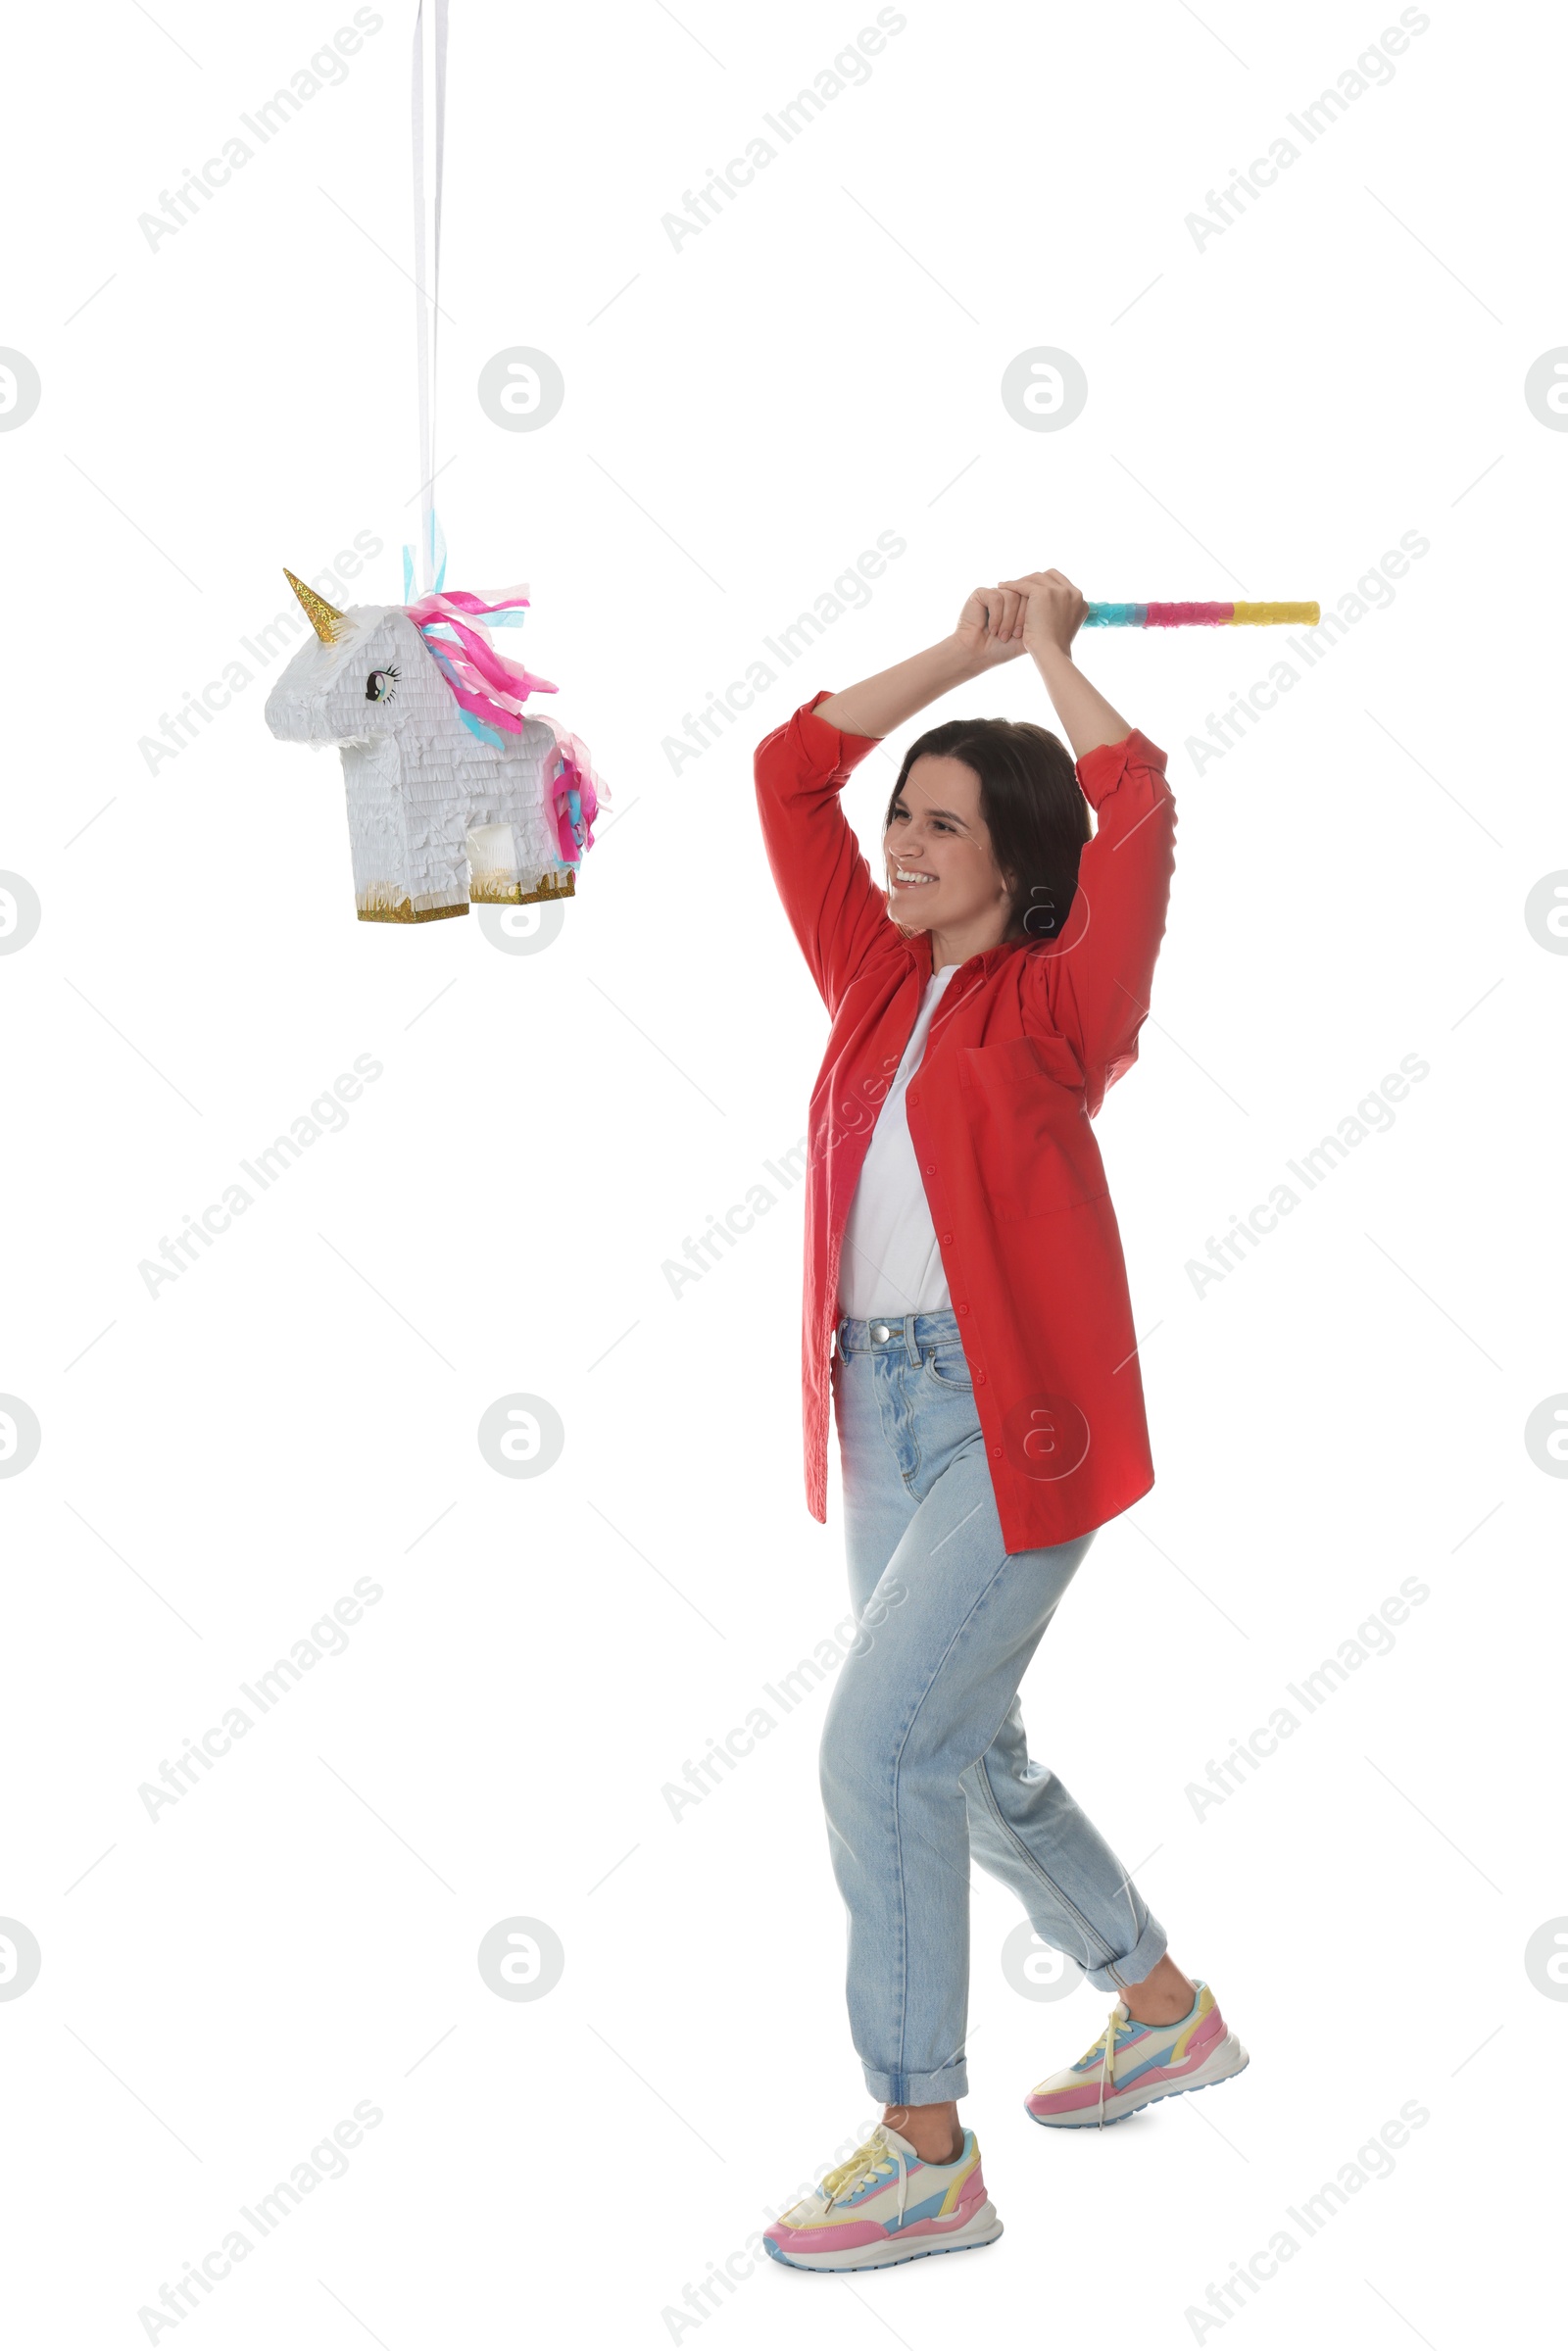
1035 812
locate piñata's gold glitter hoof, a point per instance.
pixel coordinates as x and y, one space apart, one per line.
486 890
407 912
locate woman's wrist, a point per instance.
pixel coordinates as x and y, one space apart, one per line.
1053 660
957 662
1086 718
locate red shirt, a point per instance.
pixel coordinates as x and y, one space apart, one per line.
1021 1049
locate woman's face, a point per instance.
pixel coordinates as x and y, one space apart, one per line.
941 873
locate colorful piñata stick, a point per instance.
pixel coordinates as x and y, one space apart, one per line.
1203 616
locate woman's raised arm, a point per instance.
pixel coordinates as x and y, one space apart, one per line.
837 909
1052 615
1091 983
991 629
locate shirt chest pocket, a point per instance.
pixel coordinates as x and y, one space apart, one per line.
1029 1121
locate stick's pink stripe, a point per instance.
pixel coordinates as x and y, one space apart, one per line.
1190 615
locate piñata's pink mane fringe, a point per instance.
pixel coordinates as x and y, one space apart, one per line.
484 682
491 690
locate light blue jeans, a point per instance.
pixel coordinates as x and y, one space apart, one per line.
925 1760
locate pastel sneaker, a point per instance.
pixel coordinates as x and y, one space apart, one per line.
1131 2065
886 2205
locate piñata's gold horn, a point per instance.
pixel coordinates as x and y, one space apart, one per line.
326 619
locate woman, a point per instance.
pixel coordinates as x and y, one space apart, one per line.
967 1303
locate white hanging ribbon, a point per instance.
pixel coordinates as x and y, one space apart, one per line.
427 256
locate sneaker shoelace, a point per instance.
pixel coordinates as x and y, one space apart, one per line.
1106 2047
868 2162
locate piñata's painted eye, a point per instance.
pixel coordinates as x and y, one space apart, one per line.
379 686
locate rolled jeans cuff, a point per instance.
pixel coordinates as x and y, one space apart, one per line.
1147 1952
920 2089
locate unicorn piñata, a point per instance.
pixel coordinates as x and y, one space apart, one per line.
454 795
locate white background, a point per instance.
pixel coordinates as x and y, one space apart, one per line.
220 1463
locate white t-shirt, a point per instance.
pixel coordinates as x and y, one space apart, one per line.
891 1264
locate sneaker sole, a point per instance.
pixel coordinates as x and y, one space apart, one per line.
1228 2060
983 2229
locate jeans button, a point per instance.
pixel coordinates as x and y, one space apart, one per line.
879 1332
